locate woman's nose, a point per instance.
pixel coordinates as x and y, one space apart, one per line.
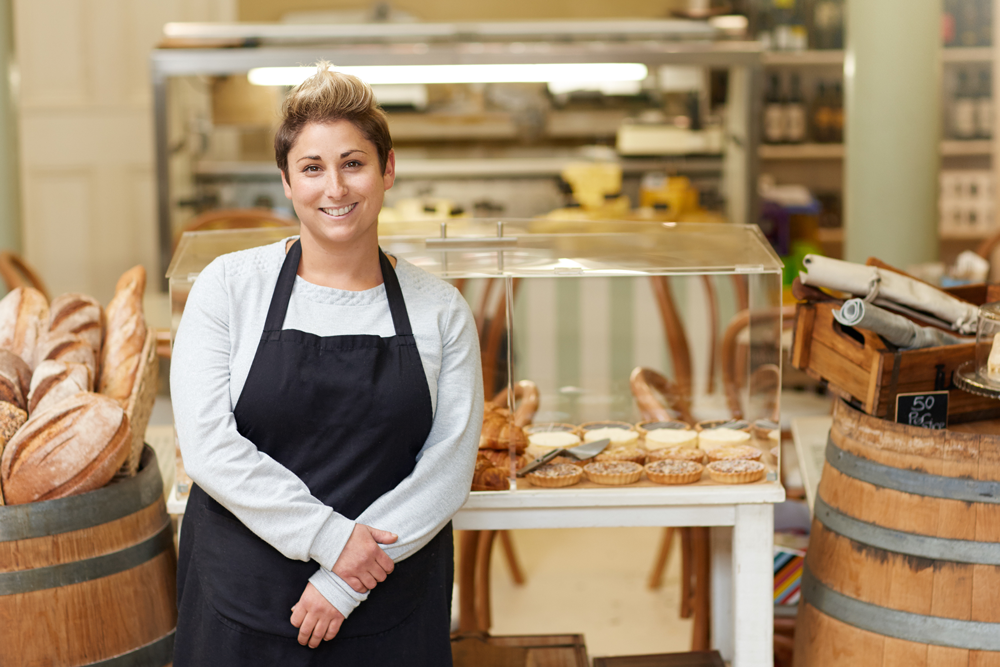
336 187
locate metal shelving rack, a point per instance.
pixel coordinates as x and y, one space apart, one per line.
653 43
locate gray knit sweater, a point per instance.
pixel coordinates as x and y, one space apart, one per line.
212 354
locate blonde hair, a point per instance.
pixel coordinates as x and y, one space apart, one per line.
325 97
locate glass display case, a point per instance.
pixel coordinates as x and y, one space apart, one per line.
581 322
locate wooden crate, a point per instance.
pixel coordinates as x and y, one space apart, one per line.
690 659
861 368
478 650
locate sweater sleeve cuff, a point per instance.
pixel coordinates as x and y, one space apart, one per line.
331 540
336 591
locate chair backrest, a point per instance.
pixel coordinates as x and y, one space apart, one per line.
15 273
526 400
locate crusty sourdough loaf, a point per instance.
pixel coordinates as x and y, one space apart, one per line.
125 337
55 381
489 478
12 365
81 315
74 446
24 316
11 419
68 348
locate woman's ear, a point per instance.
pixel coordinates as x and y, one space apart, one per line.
285 185
389 177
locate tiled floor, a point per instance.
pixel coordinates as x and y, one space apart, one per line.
591 581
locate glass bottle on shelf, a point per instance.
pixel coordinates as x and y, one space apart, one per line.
985 25
963 109
828 24
984 105
774 113
821 115
967 25
795 114
949 17
837 114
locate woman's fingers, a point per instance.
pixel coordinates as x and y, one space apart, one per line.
306 629
298 614
318 633
384 561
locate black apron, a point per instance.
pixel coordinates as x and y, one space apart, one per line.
348 415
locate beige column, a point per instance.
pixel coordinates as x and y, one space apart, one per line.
10 209
892 76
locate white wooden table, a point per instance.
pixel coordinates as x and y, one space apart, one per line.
742 521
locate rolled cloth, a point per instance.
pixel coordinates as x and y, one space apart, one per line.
886 288
896 329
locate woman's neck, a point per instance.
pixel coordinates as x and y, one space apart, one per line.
355 268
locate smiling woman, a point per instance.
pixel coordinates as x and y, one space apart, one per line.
327 401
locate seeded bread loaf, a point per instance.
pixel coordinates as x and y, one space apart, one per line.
55 381
74 446
81 315
11 419
68 348
126 334
24 316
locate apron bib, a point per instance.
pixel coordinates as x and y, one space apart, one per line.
348 415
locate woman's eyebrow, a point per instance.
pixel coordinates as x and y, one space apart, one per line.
353 150
308 157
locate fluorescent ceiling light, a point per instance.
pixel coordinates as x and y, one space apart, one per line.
603 87
413 74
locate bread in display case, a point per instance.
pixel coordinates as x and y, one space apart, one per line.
614 329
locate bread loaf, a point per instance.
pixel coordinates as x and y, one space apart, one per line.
81 315
500 432
489 478
10 381
501 459
55 381
11 419
24 316
69 348
12 366
125 337
74 446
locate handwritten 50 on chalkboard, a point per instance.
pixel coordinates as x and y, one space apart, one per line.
928 409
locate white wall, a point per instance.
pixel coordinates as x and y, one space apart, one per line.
86 134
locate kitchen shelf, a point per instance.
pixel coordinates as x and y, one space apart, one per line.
801 151
976 54
952 148
971 235
802 58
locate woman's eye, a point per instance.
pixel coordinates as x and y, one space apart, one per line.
352 164
311 167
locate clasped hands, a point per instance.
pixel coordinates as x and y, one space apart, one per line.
362 564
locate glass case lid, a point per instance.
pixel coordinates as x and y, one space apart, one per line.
468 247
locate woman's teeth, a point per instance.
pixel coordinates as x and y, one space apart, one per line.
339 211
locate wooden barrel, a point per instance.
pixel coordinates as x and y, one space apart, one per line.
91 579
903 566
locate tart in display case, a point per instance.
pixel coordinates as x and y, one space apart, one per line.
618 321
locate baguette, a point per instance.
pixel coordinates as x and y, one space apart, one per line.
55 381
125 337
11 419
24 316
74 446
69 348
81 315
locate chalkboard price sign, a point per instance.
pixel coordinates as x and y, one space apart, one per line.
928 409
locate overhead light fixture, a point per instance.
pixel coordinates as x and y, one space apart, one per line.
426 74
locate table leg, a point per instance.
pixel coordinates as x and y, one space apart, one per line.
722 591
753 586
468 545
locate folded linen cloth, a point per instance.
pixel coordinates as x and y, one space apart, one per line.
885 288
896 329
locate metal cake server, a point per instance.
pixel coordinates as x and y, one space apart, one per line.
587 450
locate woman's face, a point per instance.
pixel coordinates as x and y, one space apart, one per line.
336 184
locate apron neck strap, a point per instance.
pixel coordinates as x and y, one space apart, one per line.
393 292
286 281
